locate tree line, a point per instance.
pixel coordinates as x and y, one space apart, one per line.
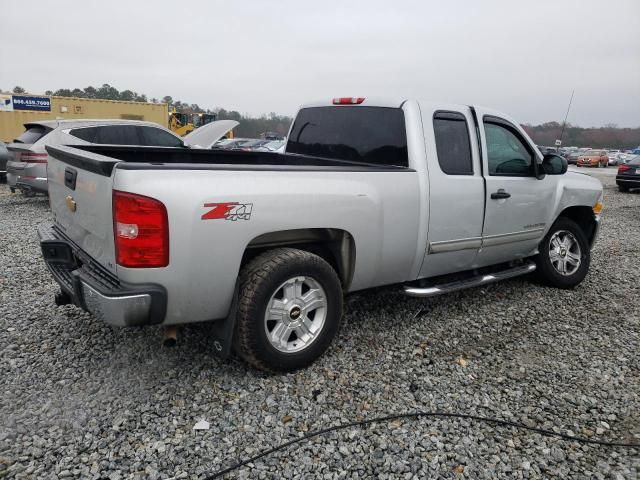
249 126
609 136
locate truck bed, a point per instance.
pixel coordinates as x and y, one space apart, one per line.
349 202
158 158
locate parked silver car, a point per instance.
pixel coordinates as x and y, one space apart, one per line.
27 165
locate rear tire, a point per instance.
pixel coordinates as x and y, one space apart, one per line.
280 326
564 256
623 189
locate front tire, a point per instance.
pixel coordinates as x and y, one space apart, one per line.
289 310
564 256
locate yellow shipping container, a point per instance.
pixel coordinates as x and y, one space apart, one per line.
11 122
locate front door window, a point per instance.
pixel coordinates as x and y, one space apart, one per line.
507 154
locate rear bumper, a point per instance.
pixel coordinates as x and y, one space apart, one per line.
32 184
94 289
26 176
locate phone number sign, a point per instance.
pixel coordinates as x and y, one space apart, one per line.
41 104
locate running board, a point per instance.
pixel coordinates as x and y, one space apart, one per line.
469 282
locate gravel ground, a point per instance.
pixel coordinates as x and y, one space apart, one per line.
84 400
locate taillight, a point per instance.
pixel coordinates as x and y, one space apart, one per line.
141 231
348 100
30 157
623 168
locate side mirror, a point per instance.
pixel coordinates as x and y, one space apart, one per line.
554 164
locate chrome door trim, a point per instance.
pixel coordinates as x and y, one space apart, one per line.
455 245
486 241
502 238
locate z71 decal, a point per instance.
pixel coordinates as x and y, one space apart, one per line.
228 211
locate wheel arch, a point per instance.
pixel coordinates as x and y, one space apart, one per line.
335 246
584 217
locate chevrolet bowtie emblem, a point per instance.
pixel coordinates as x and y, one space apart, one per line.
71 203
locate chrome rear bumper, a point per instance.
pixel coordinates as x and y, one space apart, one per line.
92 288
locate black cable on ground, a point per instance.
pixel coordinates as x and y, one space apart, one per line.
495 421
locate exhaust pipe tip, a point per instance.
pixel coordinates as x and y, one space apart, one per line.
170 336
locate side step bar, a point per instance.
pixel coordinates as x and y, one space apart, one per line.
469 282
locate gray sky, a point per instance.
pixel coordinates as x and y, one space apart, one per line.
260 56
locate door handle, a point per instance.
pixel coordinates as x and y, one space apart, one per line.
500 194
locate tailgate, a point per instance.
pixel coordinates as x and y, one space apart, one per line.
80 190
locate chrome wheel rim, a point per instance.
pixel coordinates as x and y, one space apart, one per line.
564 252
295 314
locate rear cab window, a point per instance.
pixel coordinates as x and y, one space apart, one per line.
374 135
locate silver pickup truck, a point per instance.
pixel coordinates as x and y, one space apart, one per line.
429 198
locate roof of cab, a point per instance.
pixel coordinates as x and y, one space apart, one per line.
398 102
389 102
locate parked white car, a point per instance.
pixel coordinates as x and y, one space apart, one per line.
614 157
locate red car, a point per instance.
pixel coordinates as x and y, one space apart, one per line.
593 158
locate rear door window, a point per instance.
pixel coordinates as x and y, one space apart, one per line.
87 134
159 138
363 134
453 143
32 134
117 135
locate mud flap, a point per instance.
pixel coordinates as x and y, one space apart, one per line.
222 330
